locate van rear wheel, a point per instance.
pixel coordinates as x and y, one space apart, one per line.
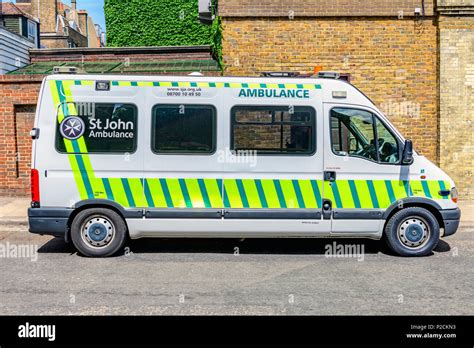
98 232
412 232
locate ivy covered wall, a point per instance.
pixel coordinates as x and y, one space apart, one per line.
155 23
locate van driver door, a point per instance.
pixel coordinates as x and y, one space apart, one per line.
363 175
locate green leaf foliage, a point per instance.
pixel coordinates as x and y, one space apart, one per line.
156 23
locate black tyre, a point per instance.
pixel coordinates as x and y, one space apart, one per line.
412 232
98 232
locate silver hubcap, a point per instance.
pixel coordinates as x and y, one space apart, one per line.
97 231
413 232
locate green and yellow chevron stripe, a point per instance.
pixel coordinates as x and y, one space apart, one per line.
261 193
199 84
380 194
215 84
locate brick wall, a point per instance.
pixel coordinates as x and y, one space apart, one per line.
393 61
18 98
321 8
46 9
457 100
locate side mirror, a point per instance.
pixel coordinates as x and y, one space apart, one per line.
407 157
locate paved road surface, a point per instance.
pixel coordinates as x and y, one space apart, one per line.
278 276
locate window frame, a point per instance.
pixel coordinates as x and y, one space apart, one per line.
214 132
135 140
375 118
34 30
312 122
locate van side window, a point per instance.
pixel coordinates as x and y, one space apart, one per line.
273 129
184 129
105 128
355 132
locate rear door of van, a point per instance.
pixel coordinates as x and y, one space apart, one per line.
91 143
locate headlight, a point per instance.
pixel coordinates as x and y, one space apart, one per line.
454 195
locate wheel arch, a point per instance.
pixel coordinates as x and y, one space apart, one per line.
99 203
418 202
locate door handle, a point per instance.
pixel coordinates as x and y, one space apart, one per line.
330 176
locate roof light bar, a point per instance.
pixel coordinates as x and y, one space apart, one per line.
328 75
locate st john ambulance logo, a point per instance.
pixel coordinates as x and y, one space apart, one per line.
72 128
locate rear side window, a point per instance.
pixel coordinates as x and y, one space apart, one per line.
184 129
273 129
105 128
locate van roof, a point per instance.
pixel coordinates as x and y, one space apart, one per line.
294 80
327 85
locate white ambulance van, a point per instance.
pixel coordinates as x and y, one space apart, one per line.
117 157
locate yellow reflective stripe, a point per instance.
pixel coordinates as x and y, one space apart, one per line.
328 194
417 188
77 176
156 193
252 193
118 191
56 101
233 194
308 194
138 194
382 194
433 186
214 193
176 194
145 84
364 194
97 186
271 195
345 194
194 193
399 189
209 84
289 193
69 148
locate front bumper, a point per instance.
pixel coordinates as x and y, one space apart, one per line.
451 218
50 221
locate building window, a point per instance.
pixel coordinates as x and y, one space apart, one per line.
184 129
108 128
32 31
273 129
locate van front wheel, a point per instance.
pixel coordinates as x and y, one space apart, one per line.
98 232
412 232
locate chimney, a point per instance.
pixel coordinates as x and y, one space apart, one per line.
73 4
82 16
